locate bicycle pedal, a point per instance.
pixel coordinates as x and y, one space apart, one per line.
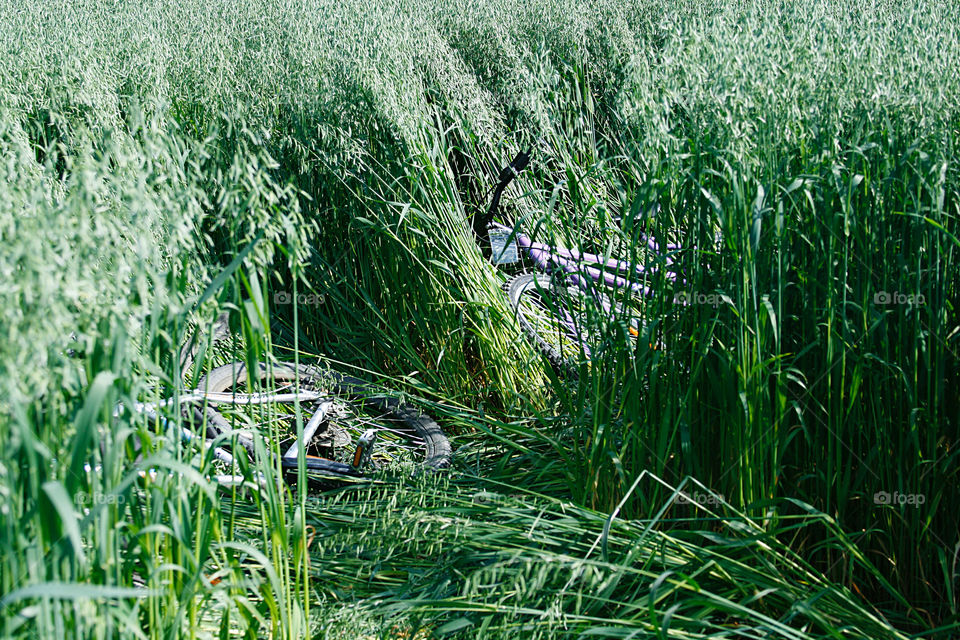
364 453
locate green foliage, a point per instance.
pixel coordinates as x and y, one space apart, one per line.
802 153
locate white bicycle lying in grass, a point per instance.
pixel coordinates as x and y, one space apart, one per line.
247 419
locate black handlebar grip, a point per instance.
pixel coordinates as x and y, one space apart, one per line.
517 165
521 161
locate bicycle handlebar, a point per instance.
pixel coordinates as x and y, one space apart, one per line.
507 174
518 164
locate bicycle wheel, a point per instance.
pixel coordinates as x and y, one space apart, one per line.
346 410
554 317
193 347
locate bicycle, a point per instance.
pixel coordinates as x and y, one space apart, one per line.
568 292
353 427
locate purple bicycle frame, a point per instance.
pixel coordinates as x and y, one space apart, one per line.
576 263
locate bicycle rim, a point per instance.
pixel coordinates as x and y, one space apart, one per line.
348 409
553 316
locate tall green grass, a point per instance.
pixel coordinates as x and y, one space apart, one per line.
802 153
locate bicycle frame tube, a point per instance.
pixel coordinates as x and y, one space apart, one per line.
572 261
576 264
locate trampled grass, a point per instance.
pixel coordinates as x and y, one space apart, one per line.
161 159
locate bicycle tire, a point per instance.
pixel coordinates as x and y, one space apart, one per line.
533 297
550 336
189 351
436 447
